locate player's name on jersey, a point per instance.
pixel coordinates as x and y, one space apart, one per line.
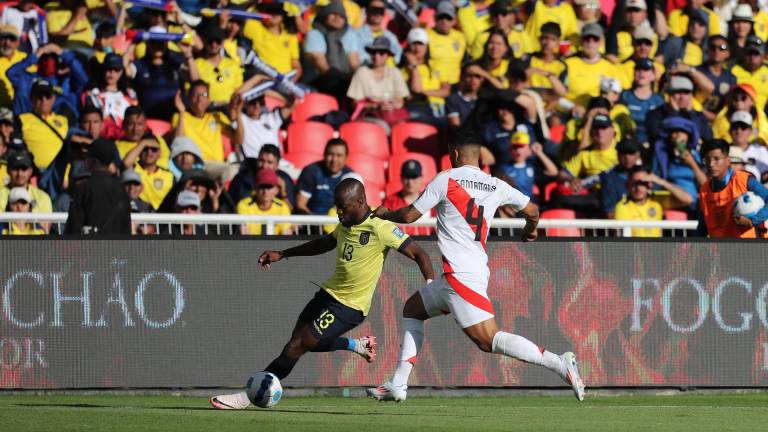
485 187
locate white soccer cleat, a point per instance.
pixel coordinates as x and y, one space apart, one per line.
388 392
366 348
235 401
572 376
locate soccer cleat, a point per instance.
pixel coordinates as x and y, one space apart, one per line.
235 401
572 374
366 348
388 392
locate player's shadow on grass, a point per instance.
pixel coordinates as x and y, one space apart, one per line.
64 405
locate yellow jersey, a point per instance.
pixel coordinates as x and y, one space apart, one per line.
627 69
678 22
360 253
206 132
757 79
446 53
156 185
6 88
626 49
27 229
123 147
430 80
41 201
4 177
222 79
556 67
57 17
583 79
41 141
518 41
249 206
761 24
692 55
277 50
650 210
473 21
589 162
562 14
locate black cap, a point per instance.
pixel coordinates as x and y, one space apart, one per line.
552 28
42 87
78 172
645 64
627 147
501 7
213 32
270 7
598 102
754 43
113 61
698 15
601 121
20 159
199 176
103 150
380 43
410 169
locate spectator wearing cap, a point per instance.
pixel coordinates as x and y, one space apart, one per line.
610 89
643 39
134 129
275 42
428 89
474 18
641 202
412 181
260 124
613 182
502 15
99 205
60 68
157 180
738 161
77 174
460 104
223 74
20 201
213 197
753 151
375 27
753 71
9 55
380 87
206 128
243 184
527 163
447 45
717 195
4 177
694 39
318 180
264 202
675 157
42 130
185 155
20 170
620 43
587 67
26 16
187 202
134 188
589 11
578 129
157 76
68 24
740 28
717 70
680 104
678 20
545 70
332 50
8 133
550 11
641 98
741 98
112 95
760 17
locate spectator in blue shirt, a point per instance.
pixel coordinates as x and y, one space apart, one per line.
675 158
318 180
613 183
527 163
718 72
374 27
641 99
460 103
680 104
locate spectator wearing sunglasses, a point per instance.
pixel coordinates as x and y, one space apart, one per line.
223 74
741 98
718 72
586 68
619 43
752 70
752 148
157 181
446 44
373 28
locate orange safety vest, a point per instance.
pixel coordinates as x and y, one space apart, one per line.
717 207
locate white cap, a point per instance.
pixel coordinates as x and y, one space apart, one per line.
741 117
158 29
736 154
679 82
418 34
636 4
187 199
643 32
19 194
608 84
743 12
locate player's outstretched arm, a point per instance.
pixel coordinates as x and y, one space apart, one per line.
416 253
531 214
310 248
405 214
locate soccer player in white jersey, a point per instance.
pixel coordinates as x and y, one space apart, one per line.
466 199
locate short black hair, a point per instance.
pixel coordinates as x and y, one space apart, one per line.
636 169
133 110
198 83
270 149
90 109
336 142
715 144
106 30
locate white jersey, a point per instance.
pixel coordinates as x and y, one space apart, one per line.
466 199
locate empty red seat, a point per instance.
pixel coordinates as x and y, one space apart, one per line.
428 167
314 104
445 162
675 215
308 137
158 127
549 188
561 214
374 193
366 138
370 168
416 138
302 159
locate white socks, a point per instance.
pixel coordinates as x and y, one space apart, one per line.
512 345
413 335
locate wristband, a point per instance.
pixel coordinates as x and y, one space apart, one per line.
429 281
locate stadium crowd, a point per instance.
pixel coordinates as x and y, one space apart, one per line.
596 108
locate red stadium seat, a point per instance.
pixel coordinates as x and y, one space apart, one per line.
445 162
226 143
675 215
428 168
308 137
549 188
314 104
370 168
416 138
374 193
561 214
272 102
302 159
366 138
158 127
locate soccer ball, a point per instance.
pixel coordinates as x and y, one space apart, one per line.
748 204
264 390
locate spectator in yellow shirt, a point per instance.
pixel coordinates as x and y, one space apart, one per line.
679 18
446 44
753 71
586 68
503 18
42 130
428 89
134 129
495 59
157 180
264 202
20 201
20 172
223 74
545 69
272 40
545 11
68 24
474 18
9 56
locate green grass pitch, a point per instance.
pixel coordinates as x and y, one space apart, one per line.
679 413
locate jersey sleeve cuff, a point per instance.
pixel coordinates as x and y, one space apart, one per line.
405 244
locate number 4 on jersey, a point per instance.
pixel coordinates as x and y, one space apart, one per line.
475 221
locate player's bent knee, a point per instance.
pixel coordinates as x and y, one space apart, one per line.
414 308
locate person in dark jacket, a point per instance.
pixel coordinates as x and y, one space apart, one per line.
100 205
680 104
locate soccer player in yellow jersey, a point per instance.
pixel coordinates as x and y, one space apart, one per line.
361 244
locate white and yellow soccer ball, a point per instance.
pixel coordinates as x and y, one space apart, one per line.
748 204
264 389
